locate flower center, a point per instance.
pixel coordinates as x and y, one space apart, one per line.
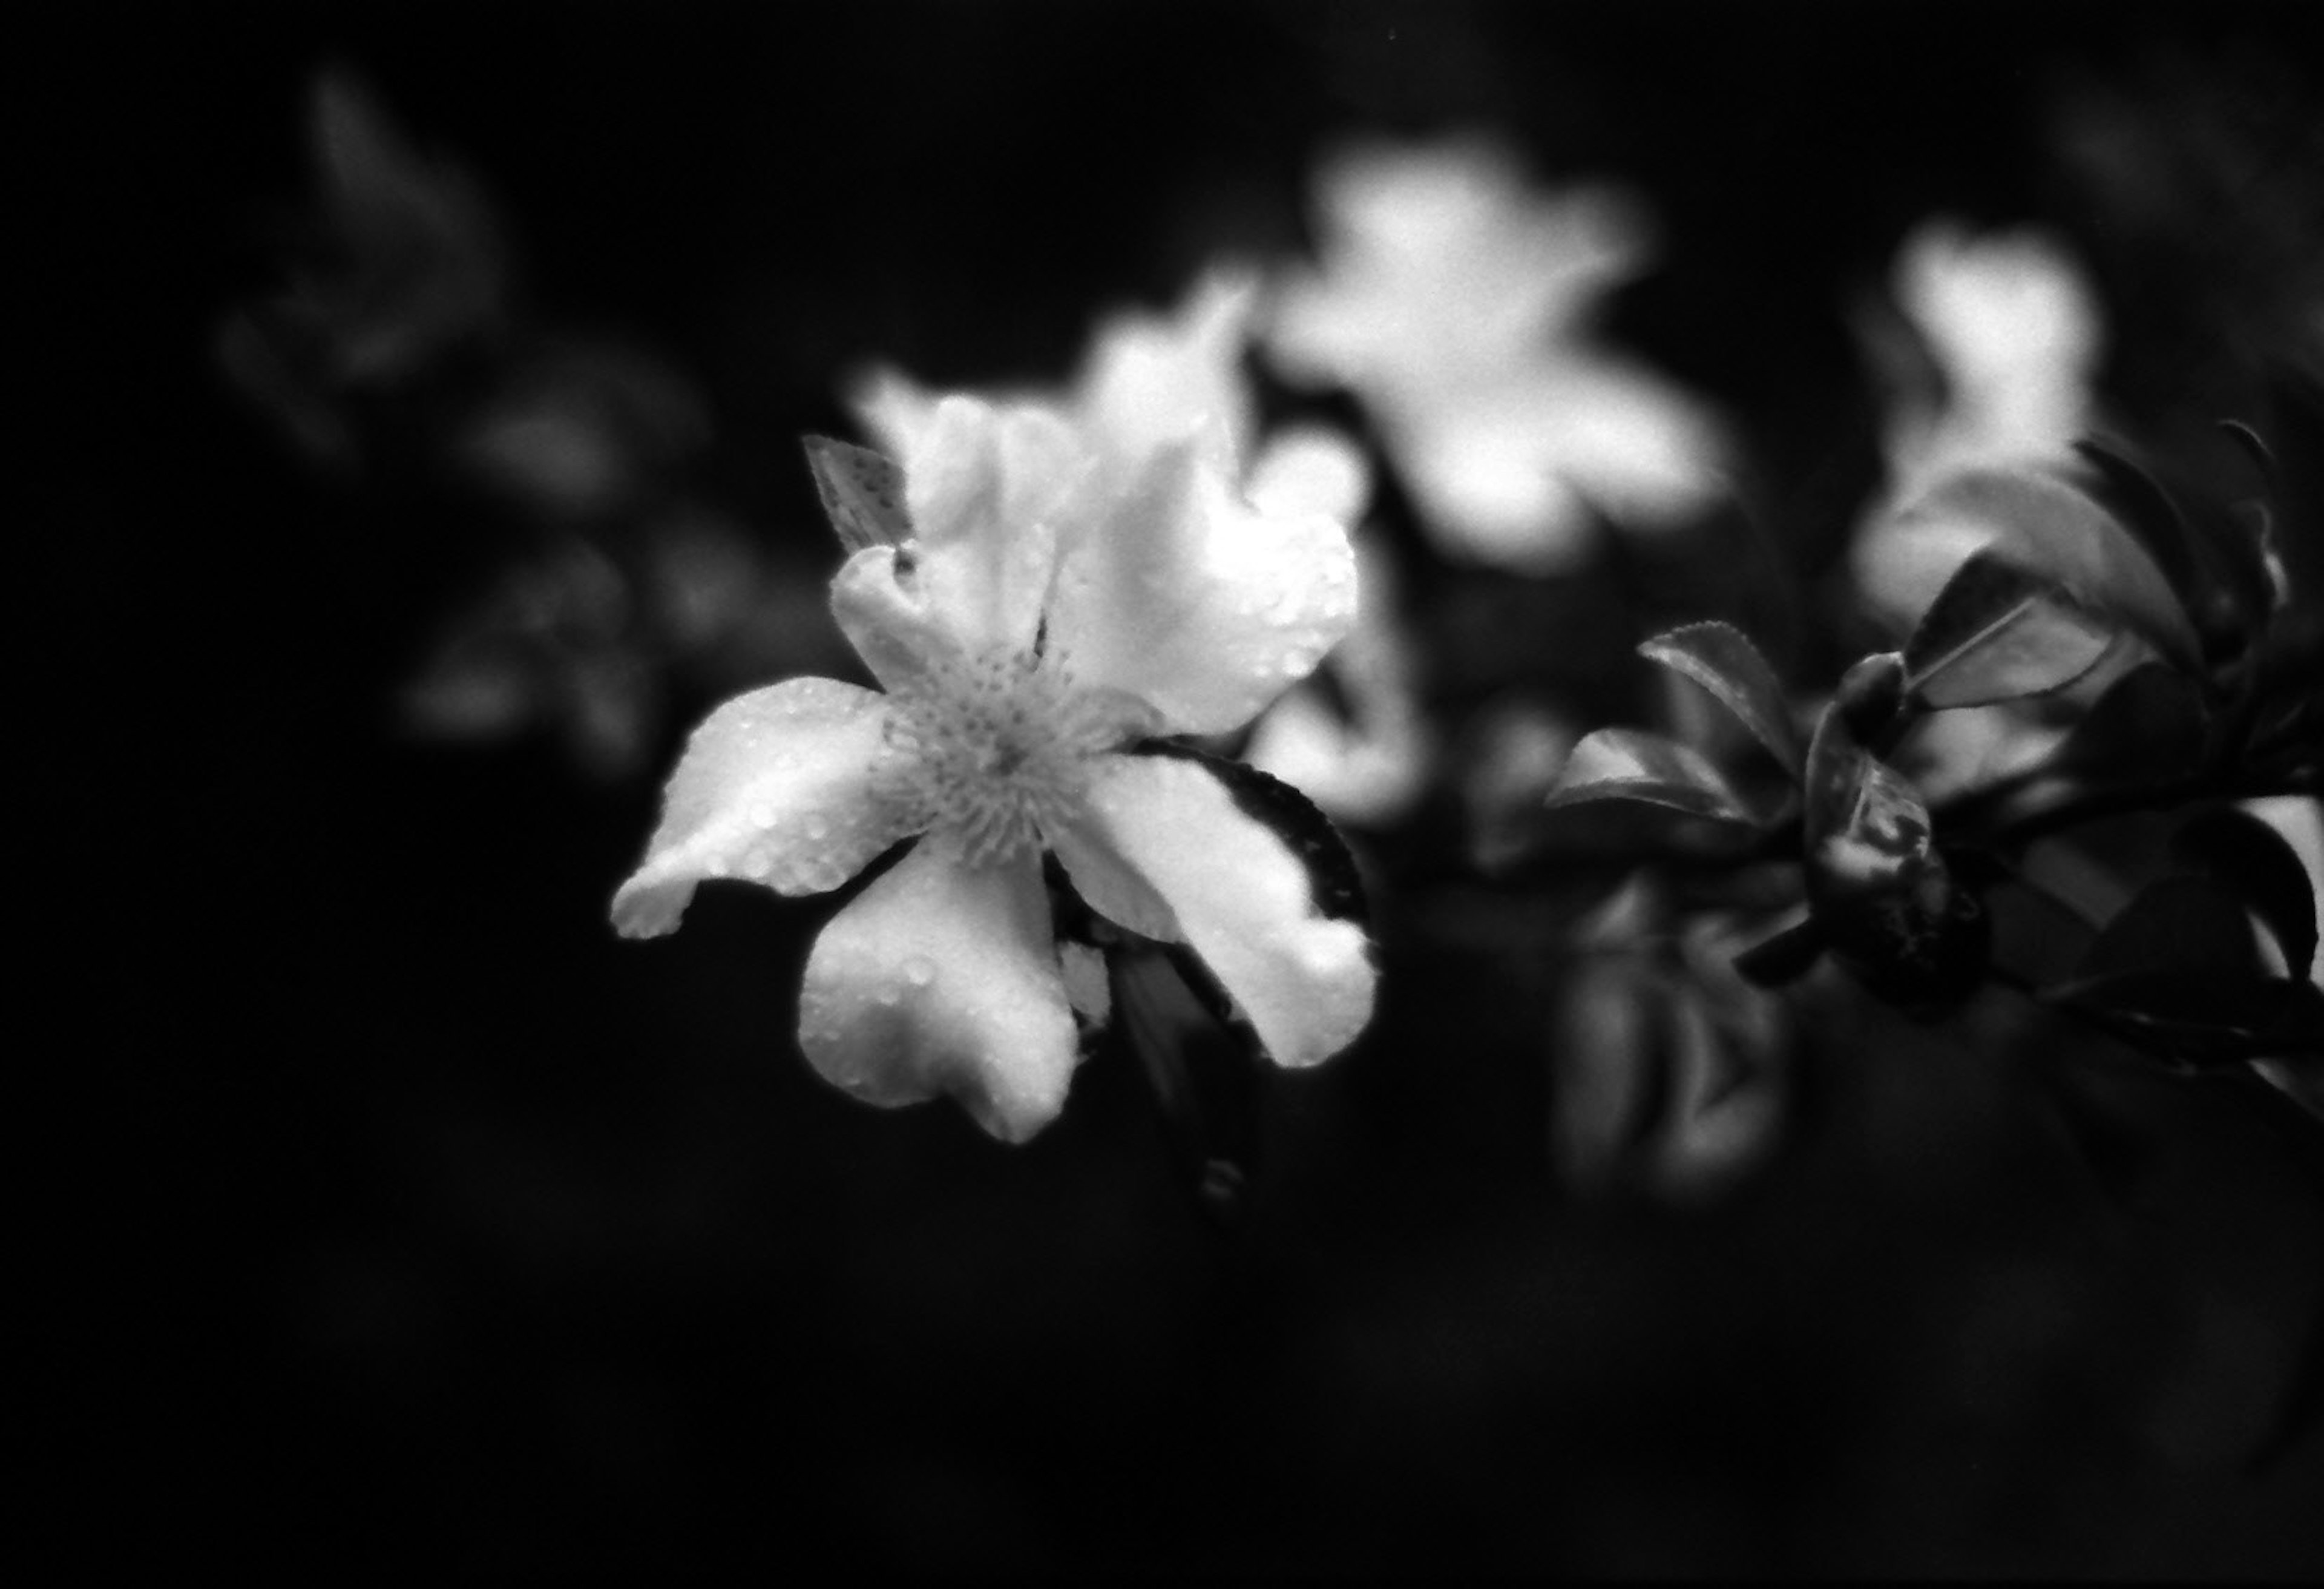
990 748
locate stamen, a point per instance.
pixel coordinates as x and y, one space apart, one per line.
990 748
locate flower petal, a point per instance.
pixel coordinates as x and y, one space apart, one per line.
1242 898
1198 604
941 978
985 486
1150 381
777 786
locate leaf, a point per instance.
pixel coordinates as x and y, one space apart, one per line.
1998 632
1202 1069
2181 964
2151 724
2259 863
2178 925
1723 661
2057 532
1634 764
2141 505
862 493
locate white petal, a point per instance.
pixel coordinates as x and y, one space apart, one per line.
1150 382
944 979
985 487
1310 470
1241 898
777 786
1198 604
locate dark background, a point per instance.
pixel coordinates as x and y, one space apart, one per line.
398 1214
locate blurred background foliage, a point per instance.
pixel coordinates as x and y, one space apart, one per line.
404 1216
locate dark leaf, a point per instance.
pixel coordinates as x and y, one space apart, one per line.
2150 725
2056 531
1634 764
862 493
2001 633
2204 1017
2264 871
2142 506
2182 926
1719 658
1204 1071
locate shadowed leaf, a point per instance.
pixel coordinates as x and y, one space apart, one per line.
2239 850
1634 764
2150 723
1999 632
2057 532
1723 661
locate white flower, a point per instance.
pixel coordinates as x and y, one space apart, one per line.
1150 381
1456 304
2013 330
1053 606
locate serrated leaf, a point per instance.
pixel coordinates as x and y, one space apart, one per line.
1999 632
1722 660
2056 531
1634 764
862 493
2255 861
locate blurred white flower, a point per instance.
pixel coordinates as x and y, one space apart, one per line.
1457 304
1045 605
2011 334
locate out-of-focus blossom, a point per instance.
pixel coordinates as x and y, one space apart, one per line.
1152 380
1040 608
2011 333
1514 751
1458 304
403 264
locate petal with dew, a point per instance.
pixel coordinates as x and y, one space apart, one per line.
777 786
1243 900
1198 604
985 487
941 979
